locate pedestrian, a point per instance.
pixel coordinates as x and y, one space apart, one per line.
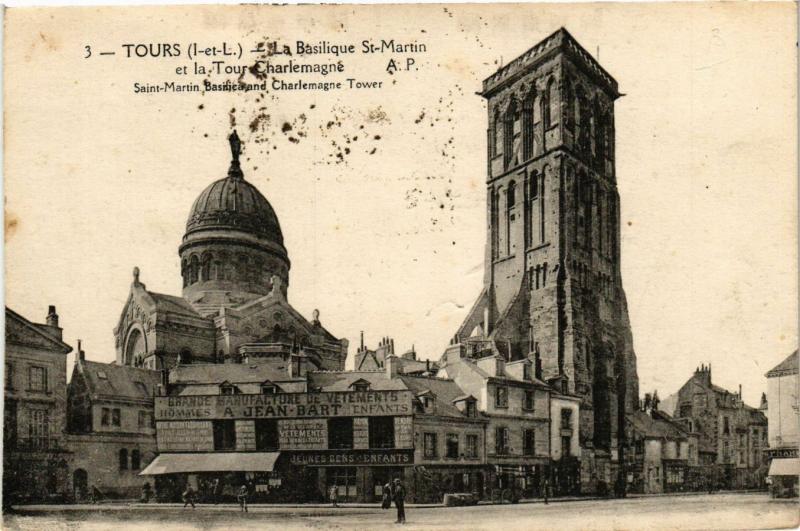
387 495
546 490
146 492
216 490
399 501
188 497
334 495
242 497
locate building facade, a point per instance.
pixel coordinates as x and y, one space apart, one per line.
532 435
553 287
784 427
732 435
35 455
110 428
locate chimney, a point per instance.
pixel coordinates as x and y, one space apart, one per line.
740 391
79 356
392 366
52 316
362 341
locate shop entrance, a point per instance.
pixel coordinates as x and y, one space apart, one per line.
344 479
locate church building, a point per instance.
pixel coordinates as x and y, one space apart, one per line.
234 305
552 282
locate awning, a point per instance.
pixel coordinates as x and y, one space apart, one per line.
785 467
212 462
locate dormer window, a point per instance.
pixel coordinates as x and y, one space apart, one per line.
360 386
228 389
472 409
268 389
526 371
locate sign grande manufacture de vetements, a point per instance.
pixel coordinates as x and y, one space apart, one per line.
284 405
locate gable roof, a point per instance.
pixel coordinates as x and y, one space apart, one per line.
787 366
109 380
37 338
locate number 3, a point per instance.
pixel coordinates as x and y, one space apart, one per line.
88 52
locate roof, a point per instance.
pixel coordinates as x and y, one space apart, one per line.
173 304
233 203
211 462
235 373
445 391
119 381
642 422
38 331
787 366
343 380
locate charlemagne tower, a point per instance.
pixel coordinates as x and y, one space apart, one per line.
552 288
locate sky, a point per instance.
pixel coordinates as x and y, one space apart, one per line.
380 191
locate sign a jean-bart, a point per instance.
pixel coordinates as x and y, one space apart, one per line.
284 405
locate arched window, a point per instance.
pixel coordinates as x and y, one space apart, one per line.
194 269
539 184
551 104
495 223
205 269
185 272
527 127
511 197
497 131
510 131
569 105
123 459
135 460
544 102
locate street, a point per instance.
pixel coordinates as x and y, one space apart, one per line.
718 511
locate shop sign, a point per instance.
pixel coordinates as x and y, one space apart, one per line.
302 434
353 458
284 405
781 453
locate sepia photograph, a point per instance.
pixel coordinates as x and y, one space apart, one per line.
444 266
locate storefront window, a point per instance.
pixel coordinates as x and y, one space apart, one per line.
224 434
266 434
381 432
344 479
340 433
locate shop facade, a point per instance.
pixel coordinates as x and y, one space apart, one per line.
283 446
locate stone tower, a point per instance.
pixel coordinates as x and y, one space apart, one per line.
552 288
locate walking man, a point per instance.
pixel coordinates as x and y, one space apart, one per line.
217 490
242 497
399 501
546 490
188 497
334 495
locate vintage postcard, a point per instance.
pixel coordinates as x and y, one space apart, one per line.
456 266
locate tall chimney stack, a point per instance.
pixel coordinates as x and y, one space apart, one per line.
52 316
79 356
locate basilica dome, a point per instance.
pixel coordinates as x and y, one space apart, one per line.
234 204
232 251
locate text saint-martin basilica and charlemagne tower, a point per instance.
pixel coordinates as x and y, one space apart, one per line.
235 273
553 290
